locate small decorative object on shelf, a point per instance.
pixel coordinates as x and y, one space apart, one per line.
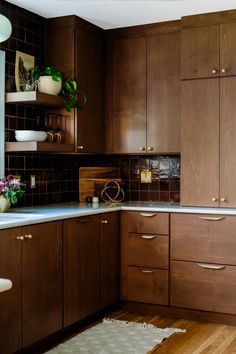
10 190
69 88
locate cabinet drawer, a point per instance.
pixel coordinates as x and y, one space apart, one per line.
196 286
148 222
203 238
148 250
148 285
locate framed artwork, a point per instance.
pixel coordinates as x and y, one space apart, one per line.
23 73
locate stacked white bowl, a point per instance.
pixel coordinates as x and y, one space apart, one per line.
30 135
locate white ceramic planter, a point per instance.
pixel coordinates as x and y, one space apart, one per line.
47 85
4 204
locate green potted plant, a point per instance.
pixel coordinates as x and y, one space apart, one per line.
68 88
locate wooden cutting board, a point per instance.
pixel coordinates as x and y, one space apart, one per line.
89 176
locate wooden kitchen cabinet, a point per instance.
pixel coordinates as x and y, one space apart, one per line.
91 265
32 309
203 262
145 257
143 89
208 51
208 135
76 48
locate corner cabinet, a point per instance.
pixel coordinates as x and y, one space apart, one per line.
76 48
48 102
31 256
143 89
91 265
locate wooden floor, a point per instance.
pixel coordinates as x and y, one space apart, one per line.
204 338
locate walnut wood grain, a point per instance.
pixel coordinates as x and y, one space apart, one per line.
208 18
148 285
200 143
196 239
227 49
193 286
228 142
163 93
42 281
150 251
200 52
129 95
147 222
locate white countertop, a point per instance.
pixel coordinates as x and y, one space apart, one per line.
44 213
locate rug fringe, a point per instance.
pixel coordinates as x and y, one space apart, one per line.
108 321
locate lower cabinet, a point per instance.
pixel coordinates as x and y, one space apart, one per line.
32 309
145 257
203 262
91 265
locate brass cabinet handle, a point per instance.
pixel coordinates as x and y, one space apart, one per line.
211 266
147 271
148 237
28 236
223 70
142 148
147 215
223 199
20 237
80 147
150 148
214 71
212 218
214 199
104 222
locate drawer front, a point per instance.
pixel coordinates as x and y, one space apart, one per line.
148 285
147 222
195 286
149 251
203 238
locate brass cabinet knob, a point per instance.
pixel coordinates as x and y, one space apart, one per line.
28 236
223 71
223 199
214 199
20 237
104 222
150 148
142 148
80 147
214 71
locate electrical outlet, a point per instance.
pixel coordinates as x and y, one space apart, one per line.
146 176
32 181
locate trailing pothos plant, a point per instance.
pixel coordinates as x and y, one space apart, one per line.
73 96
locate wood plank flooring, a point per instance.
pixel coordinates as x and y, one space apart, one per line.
200 338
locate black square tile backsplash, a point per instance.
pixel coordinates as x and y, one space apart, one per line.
57 175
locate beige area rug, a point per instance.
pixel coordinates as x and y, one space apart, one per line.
116 337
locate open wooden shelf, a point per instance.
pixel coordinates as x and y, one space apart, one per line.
38 146
35 98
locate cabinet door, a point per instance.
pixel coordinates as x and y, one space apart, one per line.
200 52
163 93
10 301
81 268
89 72
228 49
42 281
228 142
110 259
129 95
200 143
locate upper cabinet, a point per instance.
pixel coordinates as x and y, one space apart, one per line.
76 48
143 89
208 50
